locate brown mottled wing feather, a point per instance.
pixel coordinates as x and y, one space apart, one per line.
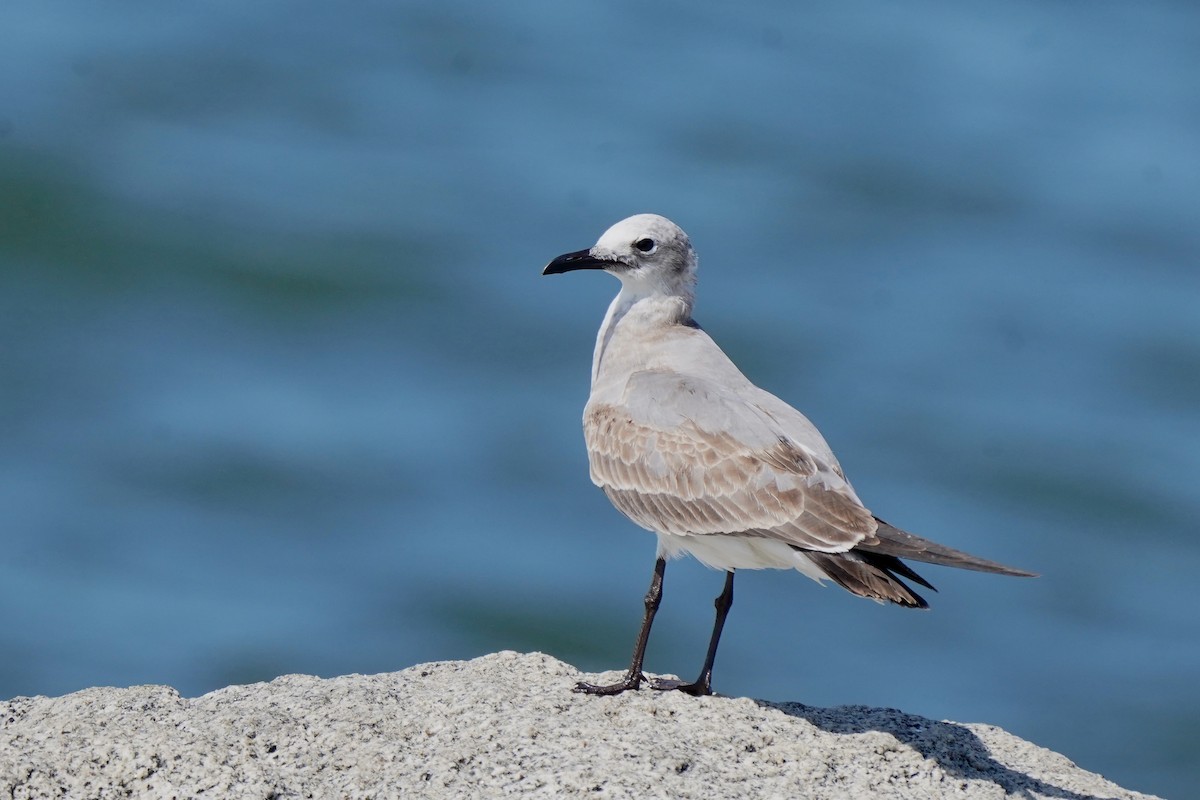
683 455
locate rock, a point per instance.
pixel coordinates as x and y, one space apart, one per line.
503 724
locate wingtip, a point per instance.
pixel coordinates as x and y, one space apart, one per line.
894 541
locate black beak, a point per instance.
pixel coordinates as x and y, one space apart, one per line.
581 259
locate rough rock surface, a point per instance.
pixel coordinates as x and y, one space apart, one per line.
504 724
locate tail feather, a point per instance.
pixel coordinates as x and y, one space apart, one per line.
873 568
896 565
891 541
871 575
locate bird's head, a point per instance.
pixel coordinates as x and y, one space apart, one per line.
648 253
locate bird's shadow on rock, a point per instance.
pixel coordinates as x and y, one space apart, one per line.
954 748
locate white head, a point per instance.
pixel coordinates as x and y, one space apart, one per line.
649 254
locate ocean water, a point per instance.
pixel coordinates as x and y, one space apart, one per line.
282 389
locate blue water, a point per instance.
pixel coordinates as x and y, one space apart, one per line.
282 390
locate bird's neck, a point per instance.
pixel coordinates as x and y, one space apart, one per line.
634 308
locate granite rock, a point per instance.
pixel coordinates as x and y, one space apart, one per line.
504 724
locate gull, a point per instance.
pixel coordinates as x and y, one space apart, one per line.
688 448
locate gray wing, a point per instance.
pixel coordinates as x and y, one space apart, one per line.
888 540
686 455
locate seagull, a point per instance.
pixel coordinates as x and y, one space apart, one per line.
688 448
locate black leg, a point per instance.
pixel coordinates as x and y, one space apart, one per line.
634 677
703 684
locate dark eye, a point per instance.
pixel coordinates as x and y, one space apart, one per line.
645 245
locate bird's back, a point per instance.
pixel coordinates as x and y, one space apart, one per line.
640 343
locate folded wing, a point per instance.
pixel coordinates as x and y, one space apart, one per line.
684 455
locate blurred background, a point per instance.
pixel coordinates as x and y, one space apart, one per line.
282 389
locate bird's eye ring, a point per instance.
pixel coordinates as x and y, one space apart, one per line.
645 245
